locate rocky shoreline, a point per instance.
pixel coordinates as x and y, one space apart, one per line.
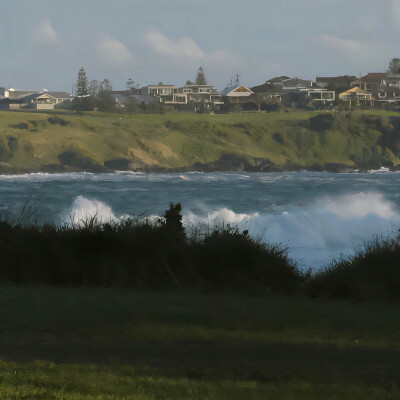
227 163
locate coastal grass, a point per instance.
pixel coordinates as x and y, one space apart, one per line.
372 273
81 343
68 315
143 255
180 140
47 381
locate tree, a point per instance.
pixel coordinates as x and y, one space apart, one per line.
258 99
201 79
131 89
188 83
81 100
173 219
130 86
394 66
105 99
93 87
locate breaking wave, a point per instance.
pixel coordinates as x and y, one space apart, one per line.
83 209
314 235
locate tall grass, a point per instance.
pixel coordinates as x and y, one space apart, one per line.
372 274
141 254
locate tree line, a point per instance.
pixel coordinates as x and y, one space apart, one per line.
92 94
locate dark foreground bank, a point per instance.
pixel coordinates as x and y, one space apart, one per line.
160 255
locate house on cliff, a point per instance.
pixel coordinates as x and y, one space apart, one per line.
357 96
237 93
39 100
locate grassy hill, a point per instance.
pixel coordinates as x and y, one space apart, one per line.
31 142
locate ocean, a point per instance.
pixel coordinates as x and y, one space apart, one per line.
316 216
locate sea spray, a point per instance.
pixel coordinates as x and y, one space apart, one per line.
330 228
83 209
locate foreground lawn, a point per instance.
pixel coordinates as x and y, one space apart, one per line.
93 343
96 314
42 380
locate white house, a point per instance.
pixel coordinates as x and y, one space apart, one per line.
321 95
237 93
165 93
47 100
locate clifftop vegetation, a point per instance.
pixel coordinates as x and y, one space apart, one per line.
60 142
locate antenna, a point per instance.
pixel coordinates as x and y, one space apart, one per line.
237 78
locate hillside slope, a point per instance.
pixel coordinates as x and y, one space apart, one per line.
33 142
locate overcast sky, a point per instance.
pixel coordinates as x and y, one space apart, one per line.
44 43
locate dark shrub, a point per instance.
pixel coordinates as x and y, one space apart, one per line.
229 260
321 122
373 274
143 255
57 121
75 158
278 137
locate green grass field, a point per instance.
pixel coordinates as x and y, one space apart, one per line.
92 343
37 141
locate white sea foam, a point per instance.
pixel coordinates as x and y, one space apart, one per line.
83 209
381 169
314 235
360 205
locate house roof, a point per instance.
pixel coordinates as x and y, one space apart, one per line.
202 86
372 77
58 95
336 79
375 76
160 86
270 84
262 88
231 89
278 79
29 97
18 94
296 80
357 90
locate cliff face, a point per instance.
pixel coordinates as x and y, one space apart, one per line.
33 142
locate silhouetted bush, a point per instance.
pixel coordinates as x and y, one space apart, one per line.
229 260
139 254
373 274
